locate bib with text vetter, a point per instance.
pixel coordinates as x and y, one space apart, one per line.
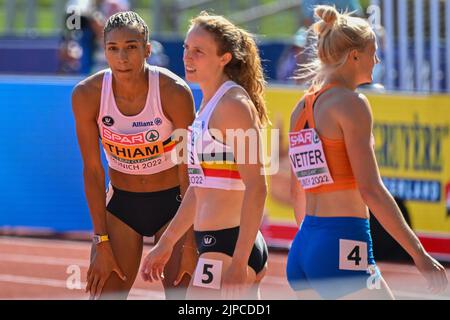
308 159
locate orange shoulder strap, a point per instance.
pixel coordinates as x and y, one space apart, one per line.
307 114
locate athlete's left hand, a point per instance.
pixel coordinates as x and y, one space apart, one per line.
152 267
433 272
234 282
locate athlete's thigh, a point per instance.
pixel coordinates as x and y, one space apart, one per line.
378 291
126 245
173 265
308 294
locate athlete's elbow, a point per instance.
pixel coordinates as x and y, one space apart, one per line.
258 190
371 192
262 192
93 173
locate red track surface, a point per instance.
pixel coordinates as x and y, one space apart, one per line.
38 269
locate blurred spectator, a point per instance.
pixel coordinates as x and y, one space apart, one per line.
104 10
293 56
307 8
157 56
82 48
78 37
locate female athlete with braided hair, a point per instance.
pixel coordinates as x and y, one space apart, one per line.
134 108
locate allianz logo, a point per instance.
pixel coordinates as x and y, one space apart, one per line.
142 124
156 121
209 240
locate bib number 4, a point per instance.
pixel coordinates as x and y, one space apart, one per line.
352 255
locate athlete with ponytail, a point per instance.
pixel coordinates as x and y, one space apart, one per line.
227 191
333 162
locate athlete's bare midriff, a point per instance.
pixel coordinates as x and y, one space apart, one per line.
217 209
343 203
145 183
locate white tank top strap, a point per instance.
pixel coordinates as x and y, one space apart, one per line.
207 111
155 98
106 89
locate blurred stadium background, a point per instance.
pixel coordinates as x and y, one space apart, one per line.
41 59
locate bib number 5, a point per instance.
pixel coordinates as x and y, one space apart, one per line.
208 273
352 255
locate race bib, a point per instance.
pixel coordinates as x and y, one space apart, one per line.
352 255
308 159
208 273
133 152
195 171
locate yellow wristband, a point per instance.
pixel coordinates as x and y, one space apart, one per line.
100 238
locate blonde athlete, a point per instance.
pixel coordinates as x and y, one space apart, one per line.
226 197
333 160
133 108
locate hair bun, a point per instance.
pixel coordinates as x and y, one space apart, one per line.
328 16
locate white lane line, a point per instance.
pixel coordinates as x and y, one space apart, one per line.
33 281
405 294
52 261
399 294
56 261
274 280
150 294
66 244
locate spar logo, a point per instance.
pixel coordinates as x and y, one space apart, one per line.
303 137
124 139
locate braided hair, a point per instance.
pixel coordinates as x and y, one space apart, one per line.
126 19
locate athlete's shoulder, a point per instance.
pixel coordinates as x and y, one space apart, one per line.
236 100
236 106
344 97
171 81
351 105
86 95
90 86
295 114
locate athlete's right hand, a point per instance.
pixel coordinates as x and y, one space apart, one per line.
152 268
433 272
102 265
